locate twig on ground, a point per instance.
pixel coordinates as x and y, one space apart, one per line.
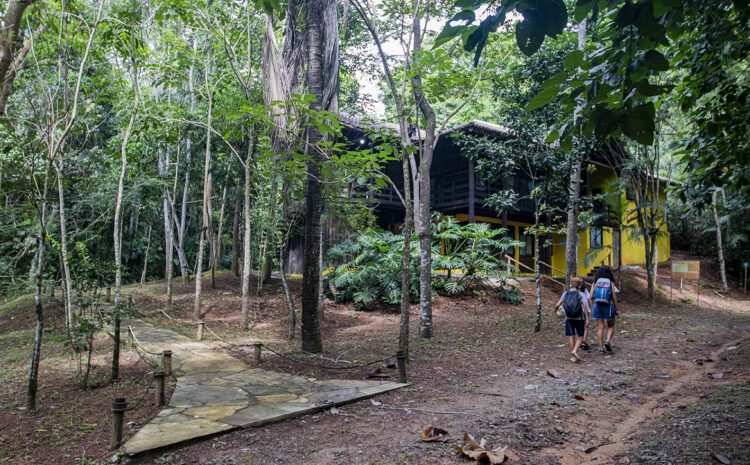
407 409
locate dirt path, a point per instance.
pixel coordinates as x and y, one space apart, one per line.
618 441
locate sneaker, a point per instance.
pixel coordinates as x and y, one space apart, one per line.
602 351
585 346
608 346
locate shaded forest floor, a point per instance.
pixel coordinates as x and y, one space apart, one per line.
657 399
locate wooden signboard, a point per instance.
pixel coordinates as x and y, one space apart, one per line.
686 269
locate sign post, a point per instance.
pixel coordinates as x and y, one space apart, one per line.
686 269
745 267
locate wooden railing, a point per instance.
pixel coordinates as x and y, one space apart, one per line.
521 265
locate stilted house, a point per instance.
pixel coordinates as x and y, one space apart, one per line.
457 189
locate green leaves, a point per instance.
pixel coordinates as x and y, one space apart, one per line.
549 92
638 123
541 18
656 61
576 59
267 6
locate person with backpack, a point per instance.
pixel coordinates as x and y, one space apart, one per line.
604 307
587 313
574 309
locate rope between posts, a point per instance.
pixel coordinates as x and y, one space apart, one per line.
286 357
140 399
137 343
353 367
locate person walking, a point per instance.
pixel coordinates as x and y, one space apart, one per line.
587 313
603 302
574 309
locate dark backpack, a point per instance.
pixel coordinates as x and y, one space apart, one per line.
573 304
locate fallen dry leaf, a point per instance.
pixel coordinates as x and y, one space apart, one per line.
586 449
553 373
721 458
434 434
717 375
578 397
479 452
375 403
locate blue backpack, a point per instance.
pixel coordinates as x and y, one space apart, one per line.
603 291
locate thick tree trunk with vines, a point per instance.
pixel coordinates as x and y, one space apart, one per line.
311 338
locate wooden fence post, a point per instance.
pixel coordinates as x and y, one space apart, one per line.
118 418
166 362
159 377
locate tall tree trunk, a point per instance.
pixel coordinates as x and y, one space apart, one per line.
182 227
537 274
181 231
425 165
64 262
311 338
246 255
235 266
403 337
145 258
9 40
282 260
117 229
168 230
38 309
198 310
574 192
719 242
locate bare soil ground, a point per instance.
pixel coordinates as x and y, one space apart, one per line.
675 390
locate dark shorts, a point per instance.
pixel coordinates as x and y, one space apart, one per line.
575 327
603 311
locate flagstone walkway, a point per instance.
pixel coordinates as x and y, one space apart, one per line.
216 392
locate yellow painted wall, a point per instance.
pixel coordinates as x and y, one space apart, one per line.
632 249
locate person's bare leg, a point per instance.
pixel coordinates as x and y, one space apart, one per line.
610 329
600 333
576 346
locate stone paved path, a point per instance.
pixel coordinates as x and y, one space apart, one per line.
216 392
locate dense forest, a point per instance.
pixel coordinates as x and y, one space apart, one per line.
170 140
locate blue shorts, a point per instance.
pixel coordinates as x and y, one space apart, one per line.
575 327
603 311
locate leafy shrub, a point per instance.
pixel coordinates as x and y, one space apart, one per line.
510 294
470 256
371 269
464 258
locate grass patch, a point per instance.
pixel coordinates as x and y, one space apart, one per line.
14 306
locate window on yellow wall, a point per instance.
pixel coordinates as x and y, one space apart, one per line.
595 237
